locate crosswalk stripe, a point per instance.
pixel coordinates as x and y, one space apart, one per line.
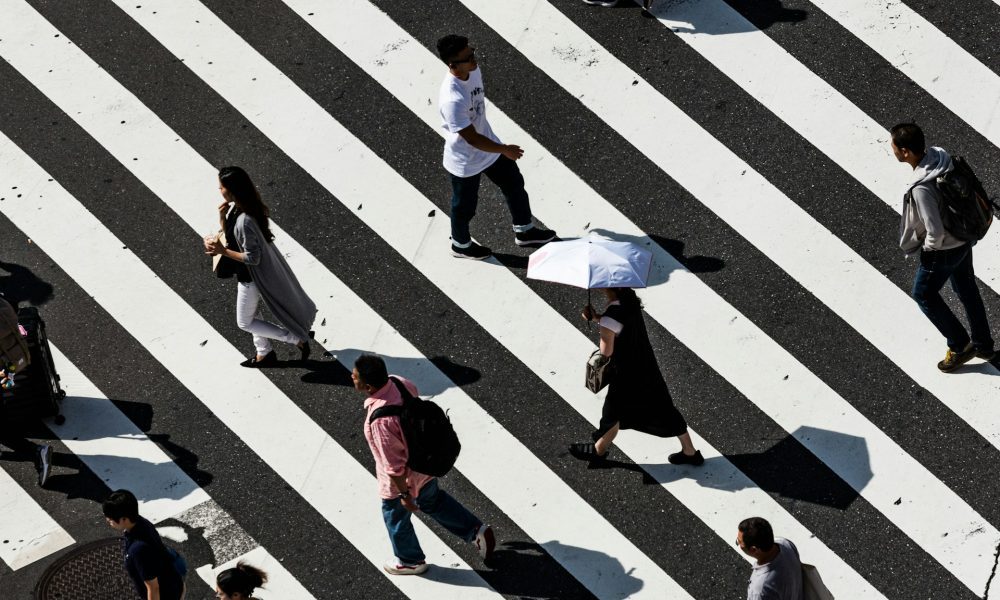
118 452
27 532
492 458
247 402
927 56
263 115
601 84
281 585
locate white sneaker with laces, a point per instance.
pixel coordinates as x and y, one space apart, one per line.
394 566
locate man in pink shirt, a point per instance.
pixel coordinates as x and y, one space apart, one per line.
403 490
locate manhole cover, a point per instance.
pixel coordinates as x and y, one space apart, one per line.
94 571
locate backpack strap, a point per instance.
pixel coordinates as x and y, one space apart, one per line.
393 410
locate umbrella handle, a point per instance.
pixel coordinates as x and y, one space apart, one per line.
589 321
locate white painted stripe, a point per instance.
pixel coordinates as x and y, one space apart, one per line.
926 55
117 451
395 219
281 585
492 458
27 532
201 359
729 345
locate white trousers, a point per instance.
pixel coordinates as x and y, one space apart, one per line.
247 302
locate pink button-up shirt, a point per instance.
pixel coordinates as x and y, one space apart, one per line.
388 445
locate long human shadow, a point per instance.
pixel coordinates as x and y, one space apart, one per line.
761 14
786 470
22 285
336 368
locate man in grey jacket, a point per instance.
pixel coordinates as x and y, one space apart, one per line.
943 257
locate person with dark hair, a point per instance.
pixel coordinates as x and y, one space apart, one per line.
148 562
471 149
638 397
403 490
261 272
239 582
943 257
777 574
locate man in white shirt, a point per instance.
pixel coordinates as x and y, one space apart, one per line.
777 575
471 149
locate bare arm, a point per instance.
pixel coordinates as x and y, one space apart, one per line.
153 589
607 341
481 142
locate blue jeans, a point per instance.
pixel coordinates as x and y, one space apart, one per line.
436 504
465 197
937 267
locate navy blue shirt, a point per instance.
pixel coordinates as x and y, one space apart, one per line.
146 558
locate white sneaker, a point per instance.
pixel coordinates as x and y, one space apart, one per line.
604 3
485 541
398 567
44 463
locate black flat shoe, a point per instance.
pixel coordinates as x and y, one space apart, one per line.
270 359
587 451
679 458
304 349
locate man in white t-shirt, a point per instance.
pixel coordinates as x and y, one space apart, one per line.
777 575
471 149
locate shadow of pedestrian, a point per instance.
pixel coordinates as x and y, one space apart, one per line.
22 285
757 15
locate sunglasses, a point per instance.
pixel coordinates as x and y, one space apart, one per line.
470 58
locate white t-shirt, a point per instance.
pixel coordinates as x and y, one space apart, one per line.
463 103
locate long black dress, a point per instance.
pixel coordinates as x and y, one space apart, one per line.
638 397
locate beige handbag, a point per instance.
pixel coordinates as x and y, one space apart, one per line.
813 587
598 371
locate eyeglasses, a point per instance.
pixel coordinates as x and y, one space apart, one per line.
470 58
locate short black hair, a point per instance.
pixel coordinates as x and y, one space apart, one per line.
757 532
450 45
121 504
371 370
909 136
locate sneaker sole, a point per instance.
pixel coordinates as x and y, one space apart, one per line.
941 367
491 542
460 255
416 571
534 242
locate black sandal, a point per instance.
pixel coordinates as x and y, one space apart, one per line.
588 452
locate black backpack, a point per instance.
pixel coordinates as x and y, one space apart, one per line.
966 210
433 444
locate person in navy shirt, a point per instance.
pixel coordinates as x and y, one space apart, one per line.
147 560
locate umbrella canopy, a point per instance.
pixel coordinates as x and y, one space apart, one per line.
591 262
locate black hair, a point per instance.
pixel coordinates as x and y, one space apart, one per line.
121 504
909 136
241 579
247 197
628 298
757 532
371 370
450 45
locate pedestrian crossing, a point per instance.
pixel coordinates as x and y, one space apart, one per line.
885 515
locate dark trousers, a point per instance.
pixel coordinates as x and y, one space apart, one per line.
938 267
465 197
436 504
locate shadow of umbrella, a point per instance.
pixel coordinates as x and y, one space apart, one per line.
757 15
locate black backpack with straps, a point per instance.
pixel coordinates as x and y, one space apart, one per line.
432 441
966 210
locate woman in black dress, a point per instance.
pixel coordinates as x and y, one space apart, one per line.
638 397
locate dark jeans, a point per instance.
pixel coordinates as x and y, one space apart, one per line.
937 267
465 197
436 504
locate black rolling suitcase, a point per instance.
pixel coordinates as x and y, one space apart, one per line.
36 392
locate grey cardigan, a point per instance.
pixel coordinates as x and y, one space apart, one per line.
277 284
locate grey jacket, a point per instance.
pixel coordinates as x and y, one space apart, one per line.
277 284
920 226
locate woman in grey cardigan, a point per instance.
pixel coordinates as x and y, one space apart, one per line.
272 279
